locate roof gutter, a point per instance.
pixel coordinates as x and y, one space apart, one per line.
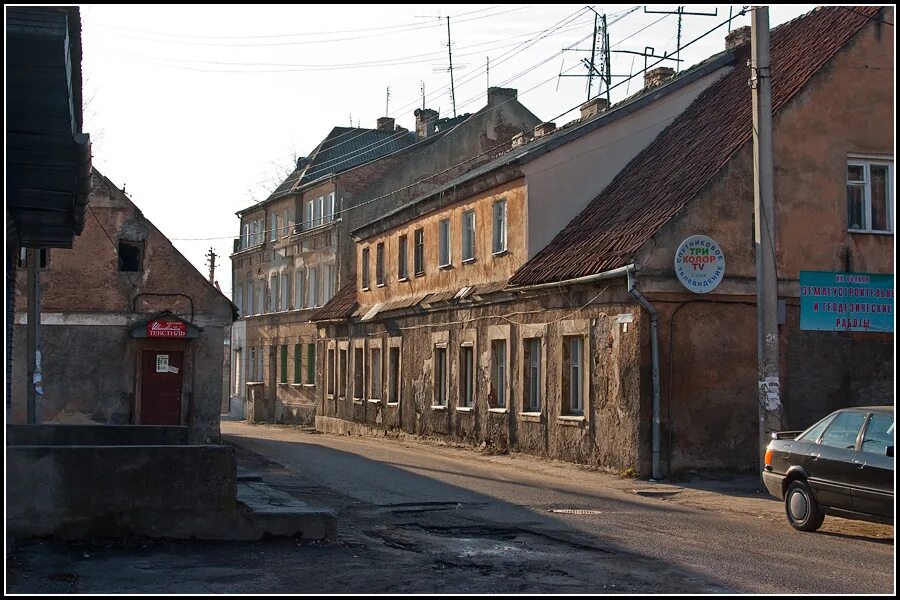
629 272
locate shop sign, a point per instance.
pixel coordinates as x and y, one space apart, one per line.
846 301
699 264
168 329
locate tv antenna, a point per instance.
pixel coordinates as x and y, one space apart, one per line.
599 64
680 12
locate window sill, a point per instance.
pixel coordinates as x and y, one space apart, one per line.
438 407
530 417
499 411
357 401
403 279
445 267
572 420
393 404
373 400
365 289
500 252
420 274
308 385
330 396
466 409
870 231
468 260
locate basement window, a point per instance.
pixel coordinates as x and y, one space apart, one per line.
130 256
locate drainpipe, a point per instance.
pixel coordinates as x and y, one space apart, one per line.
654 351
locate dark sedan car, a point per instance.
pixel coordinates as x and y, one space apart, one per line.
842 466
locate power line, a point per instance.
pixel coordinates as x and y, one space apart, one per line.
877 20
383 196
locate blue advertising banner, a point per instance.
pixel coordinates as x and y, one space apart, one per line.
846 301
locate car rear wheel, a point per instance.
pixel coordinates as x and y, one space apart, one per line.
802 510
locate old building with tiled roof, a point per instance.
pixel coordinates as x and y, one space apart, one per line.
533 303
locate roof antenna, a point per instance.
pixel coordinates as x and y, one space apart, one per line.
680 12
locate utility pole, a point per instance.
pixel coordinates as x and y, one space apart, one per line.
387 101
487 70
450 54
422 90
771 411
212 265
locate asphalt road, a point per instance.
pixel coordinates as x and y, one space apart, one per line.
420 517
494 512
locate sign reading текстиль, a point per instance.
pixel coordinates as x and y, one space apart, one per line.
846 301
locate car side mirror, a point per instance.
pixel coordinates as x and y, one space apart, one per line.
889 451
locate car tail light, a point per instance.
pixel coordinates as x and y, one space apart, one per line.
769 454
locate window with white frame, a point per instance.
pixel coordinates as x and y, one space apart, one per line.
499 242
401 258
870 197
466 376
329 208
379 264
573 375
444 242
285 223
531 377
273 292
308 222
300 288
273 228
419 252
285 291
468 235
245 237
497 396
365 268
312 288
327 282
375 373
440 376
320 209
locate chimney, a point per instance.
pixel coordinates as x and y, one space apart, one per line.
518 140
302 162
425 120
739 36
657 76
401 128
498 95
593 107
385 124
544 129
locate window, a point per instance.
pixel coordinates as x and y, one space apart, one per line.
300 285
251 367
375 373
870 201
365 268
531 362
444 242
328 213
238 297
497 396
328 282
358 381
285 291
283 378
311 364
312 289
320 209
379 264
468 235
130 256
342 374
573 375
245 238
394 375
332 374
440 376
285 224
812 434
401 258
499 244
273 228
466 378
273 292
419 259
843 430
237 371
297 356
248 297
260 296
879 434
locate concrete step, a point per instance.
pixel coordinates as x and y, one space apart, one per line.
269 511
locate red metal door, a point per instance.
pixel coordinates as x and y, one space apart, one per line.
161 374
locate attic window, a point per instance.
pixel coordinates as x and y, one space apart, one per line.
130 256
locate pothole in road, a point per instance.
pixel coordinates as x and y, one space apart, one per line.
655 493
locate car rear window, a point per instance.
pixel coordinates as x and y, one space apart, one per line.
879 434
843 430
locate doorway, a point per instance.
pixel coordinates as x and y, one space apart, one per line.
161 377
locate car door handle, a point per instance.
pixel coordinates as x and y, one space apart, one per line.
859 465
815 456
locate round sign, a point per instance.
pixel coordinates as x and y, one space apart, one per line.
699 264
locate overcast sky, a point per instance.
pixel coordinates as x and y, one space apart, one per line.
198 111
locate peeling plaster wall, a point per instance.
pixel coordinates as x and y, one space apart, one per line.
615 431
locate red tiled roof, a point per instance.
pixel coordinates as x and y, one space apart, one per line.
341 305
676 166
